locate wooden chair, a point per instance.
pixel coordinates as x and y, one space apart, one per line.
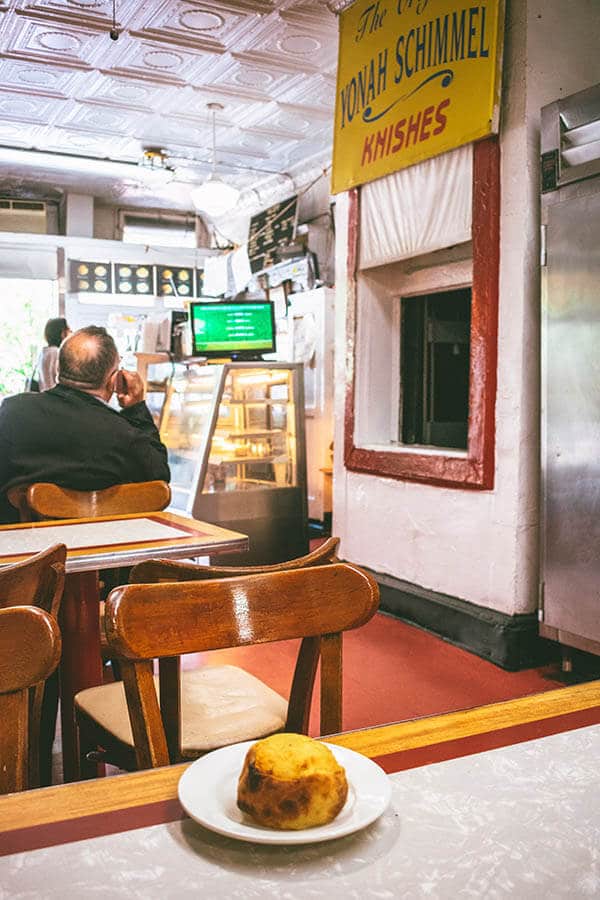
225 680
147 621
160 570
29 653
38 581
50 501
43 500
17 497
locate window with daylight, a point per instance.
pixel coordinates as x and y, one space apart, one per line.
159 230
423 261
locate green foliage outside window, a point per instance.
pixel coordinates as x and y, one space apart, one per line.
25 306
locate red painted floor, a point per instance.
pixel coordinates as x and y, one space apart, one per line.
394 671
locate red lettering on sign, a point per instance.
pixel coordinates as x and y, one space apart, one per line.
426 122
440 118
413 129
379 144
367 149
399 135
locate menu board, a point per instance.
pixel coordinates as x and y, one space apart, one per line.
132 279
273 228
175 281
168 282
91 277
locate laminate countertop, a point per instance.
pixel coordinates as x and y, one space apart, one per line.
521 821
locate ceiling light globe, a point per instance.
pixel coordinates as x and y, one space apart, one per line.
214 197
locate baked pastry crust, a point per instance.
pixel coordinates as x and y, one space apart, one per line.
290 781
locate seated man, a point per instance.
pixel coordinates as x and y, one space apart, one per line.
70 436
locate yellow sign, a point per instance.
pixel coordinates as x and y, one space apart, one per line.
415 78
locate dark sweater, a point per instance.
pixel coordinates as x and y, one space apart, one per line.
70 438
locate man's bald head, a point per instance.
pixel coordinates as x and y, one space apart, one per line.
87 358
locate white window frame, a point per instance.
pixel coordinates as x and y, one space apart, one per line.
378 339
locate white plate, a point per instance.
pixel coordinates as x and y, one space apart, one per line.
208 793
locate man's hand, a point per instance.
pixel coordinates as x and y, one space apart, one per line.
134 389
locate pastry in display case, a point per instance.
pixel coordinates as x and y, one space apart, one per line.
235 436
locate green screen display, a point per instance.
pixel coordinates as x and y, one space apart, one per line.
232 328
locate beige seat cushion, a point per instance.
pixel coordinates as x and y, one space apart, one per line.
219 705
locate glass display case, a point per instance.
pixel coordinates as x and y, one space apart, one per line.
235 436
156 371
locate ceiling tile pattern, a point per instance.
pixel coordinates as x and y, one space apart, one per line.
67 87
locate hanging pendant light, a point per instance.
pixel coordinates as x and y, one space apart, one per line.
214 197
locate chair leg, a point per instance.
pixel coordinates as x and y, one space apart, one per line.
48 728
116 669
86 769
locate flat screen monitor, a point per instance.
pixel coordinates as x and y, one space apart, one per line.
237 330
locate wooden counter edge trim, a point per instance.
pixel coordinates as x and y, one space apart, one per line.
65 802
385 739
84 798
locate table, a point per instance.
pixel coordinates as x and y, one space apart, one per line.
92 544
519 819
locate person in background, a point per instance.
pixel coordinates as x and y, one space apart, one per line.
70 435
46 369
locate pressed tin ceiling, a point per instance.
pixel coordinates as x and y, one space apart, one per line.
66 87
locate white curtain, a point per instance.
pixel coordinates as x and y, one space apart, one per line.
420 209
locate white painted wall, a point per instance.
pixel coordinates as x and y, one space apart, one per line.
481 546
79 215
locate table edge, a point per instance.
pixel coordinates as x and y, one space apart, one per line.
214 538
118 559
44 806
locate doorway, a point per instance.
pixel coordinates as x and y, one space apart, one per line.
25 306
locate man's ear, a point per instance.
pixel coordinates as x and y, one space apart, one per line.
111 383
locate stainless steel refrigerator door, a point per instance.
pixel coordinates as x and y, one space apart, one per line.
571 417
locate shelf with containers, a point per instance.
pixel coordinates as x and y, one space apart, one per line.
235 436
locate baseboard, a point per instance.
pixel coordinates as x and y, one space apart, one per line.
511 642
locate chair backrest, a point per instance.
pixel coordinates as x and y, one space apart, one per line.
147 621
17 497
37 581
156 570
29 652
50 501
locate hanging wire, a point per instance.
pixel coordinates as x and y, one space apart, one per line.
114 31
214 139
214 108
285 209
